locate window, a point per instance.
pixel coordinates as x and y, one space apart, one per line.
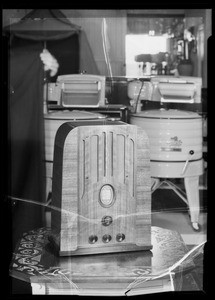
151 34
136 44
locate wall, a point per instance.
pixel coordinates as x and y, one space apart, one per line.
91 23
116 31
201 19
10 16
159 12
208 32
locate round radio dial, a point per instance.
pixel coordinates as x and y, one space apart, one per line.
106 196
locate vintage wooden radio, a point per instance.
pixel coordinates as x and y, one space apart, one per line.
101 192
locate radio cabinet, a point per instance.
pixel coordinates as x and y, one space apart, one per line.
101 192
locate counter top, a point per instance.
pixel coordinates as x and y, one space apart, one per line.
164 268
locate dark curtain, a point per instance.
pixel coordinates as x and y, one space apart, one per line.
74 55
26 135
87 61
66 52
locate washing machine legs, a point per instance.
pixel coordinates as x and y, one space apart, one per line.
192 191
191 197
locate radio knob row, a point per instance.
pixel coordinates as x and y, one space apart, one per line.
106 238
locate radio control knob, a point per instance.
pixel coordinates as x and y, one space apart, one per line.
93 239
120 237
106 238
107 220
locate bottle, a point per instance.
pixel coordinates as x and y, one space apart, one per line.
153 69
160 69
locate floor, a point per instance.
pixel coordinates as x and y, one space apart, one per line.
179 221
169 211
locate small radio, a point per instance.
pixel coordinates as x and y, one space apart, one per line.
101 191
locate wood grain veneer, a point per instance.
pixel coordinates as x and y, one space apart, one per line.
88 156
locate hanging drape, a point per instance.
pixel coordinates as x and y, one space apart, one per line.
26 166
26 134
87 62
67 53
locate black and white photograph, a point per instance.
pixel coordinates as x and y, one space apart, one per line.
106 130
